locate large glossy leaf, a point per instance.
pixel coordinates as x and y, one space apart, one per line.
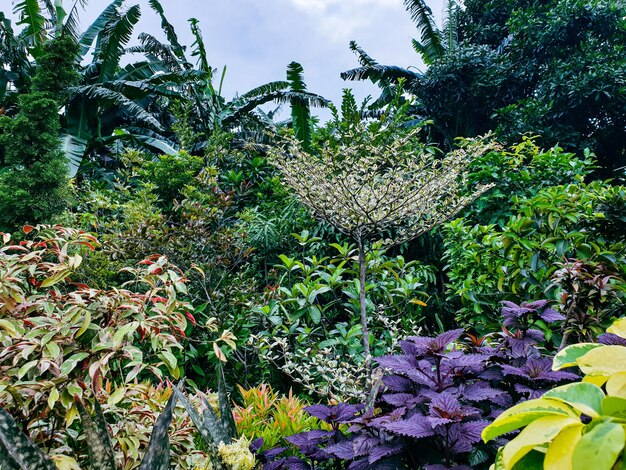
599 448
29 14
616 385
584 397
18 451
113 39
88 37
560 452
524 413
99 447
605 361
74 149
300 111
538 432
569 356
618 328
157 456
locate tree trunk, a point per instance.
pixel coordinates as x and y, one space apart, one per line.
363 305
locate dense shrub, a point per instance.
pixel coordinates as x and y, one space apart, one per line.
520 257
435 398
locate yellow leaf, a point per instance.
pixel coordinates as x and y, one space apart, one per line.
64 462
53 397
618 327
605 360
616 385
536 433
595 379
560 452
418 302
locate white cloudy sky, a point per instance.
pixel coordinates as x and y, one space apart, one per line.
256 39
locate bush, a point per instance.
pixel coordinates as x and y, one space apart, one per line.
579 425
489 263
435 398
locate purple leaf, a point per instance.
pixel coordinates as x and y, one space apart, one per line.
416 427
550 315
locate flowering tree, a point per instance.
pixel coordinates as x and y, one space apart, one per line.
378 185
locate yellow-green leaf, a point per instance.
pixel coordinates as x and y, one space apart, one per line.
524 413
560 452
605 360
25 368
568 357
618 327
615 407
616 385
599 448
64 462
538 432
53 397
584 397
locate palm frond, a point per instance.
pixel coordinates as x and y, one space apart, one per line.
264 89
71 24
113 39
115 98
170 32
300 110
142 70
88 37
430 36
151 46
390 73
199 50
29 14
450 24
364 59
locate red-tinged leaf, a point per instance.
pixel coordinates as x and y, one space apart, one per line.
28 228
88 245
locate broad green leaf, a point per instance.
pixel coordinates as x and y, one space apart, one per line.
605 360
569 356
69 364
618 327
18 451
584 397
616 385
599 448
560 452
538 432
524 413
169 359
53 397
25 368
614 407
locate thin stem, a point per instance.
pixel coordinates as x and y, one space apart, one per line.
363 306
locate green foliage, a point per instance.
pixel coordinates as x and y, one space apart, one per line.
312 316
33 180
490 263
574 426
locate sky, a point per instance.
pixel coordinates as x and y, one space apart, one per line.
256 39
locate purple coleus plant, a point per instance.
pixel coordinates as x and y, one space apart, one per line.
436 398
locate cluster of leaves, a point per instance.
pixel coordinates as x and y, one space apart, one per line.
62 339
264 414
435 398
521 256
579 425
312 315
